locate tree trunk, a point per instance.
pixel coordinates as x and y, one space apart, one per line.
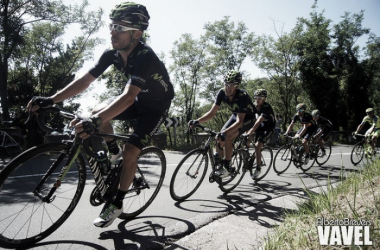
4 90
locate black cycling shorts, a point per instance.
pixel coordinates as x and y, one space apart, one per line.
147 123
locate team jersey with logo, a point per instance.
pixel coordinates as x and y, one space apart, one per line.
267 112
240 103
375 120
144 70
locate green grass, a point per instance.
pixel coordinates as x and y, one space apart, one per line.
356 197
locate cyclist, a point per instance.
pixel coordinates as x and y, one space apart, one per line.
374 131
308 128
324 128
242 118
264 125
147 95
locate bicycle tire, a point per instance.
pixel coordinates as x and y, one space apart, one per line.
309 165
282 159
267 157
322 159
147 183
25 219
239 162
189 174
357 154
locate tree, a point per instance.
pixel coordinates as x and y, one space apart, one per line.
30 32
279 58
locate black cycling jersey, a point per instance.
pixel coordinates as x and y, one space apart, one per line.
267 112
323 122
305 119
241 103
144 70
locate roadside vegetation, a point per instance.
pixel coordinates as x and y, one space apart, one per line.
356 197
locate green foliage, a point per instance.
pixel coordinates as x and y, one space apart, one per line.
34 60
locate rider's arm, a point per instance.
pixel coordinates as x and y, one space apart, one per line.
290 127
359 128
74 88
210 114
256 125
121 103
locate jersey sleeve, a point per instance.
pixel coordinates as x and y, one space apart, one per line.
219 97
103 63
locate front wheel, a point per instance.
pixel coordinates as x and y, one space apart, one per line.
323 157
266 162
25 218
282 159
150 174
357 154
189 174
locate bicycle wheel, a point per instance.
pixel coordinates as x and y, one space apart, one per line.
25 219
150 174
323 158
266 162
14 145
189 174
306 167
282 159
357 154
239 161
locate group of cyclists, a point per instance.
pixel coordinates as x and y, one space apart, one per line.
147 97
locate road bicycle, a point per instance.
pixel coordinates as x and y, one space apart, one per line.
11 142
192 169
41 187
362 149
293 152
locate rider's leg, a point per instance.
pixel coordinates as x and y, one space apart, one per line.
258 146
305 146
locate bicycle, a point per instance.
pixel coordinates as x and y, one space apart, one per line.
41 187
293 152
362 149
192 169
11 141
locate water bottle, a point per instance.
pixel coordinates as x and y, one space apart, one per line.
103 162
217 159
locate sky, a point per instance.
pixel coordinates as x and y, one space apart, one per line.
170 19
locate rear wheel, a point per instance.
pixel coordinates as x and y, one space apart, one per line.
189 174
150 174
239 161
25 218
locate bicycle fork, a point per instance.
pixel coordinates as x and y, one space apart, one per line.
73 154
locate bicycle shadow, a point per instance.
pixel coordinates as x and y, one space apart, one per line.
141 233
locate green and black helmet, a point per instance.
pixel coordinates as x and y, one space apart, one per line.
233 76
301 106
132 14
315 112
261 92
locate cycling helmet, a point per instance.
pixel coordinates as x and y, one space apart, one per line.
369 110
132 14
261 92
315 112
301 106
233 76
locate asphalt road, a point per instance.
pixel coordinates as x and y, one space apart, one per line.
166 220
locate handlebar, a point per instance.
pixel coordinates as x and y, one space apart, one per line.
207 130
42 112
